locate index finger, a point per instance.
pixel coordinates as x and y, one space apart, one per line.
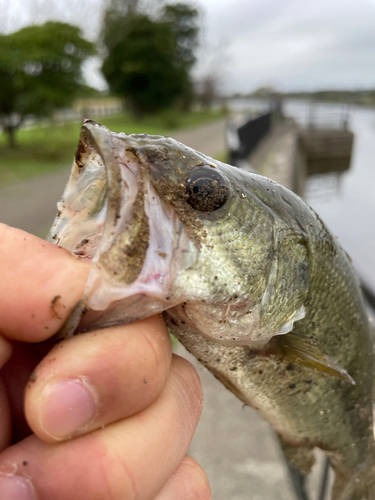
40 285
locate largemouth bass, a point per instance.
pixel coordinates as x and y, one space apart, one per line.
246 276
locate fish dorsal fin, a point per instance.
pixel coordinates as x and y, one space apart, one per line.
303 351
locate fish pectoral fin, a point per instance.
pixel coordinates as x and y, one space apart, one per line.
306 352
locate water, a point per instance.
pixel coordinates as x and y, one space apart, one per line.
345 203
350 212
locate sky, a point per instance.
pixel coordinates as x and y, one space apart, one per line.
287 44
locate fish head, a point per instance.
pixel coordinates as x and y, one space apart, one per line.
165 227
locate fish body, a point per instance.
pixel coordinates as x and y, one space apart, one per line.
246 276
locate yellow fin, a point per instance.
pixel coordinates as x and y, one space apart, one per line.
306 352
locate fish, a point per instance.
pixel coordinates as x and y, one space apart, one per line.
246 276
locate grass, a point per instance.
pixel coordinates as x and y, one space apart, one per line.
46 149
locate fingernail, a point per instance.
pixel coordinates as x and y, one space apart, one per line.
69 406
15 488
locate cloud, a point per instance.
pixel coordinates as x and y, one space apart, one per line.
294 45
16 14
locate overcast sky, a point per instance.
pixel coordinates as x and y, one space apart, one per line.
287 44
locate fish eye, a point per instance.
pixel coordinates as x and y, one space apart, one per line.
207 190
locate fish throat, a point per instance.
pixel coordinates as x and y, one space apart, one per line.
126 256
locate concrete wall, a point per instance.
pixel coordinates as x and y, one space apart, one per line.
289 154
326 150
280 157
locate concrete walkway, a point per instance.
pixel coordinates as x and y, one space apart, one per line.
31 204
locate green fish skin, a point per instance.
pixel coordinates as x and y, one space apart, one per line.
247 277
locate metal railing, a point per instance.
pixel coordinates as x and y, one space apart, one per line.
244 134
318 115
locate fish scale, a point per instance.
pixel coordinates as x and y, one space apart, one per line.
246 276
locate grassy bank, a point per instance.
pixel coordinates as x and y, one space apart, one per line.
45 149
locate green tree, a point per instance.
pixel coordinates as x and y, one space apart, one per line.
149 55
184 24
40 70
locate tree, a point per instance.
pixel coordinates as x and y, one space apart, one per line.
40 70
183 21
149 55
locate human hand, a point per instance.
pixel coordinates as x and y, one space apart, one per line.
105 415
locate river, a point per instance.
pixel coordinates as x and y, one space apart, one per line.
348 206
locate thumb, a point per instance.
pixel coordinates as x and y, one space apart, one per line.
40 285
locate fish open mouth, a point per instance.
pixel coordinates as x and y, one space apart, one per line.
111 217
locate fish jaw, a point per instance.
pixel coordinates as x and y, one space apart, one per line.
111 217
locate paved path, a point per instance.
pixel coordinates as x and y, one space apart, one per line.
31 204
